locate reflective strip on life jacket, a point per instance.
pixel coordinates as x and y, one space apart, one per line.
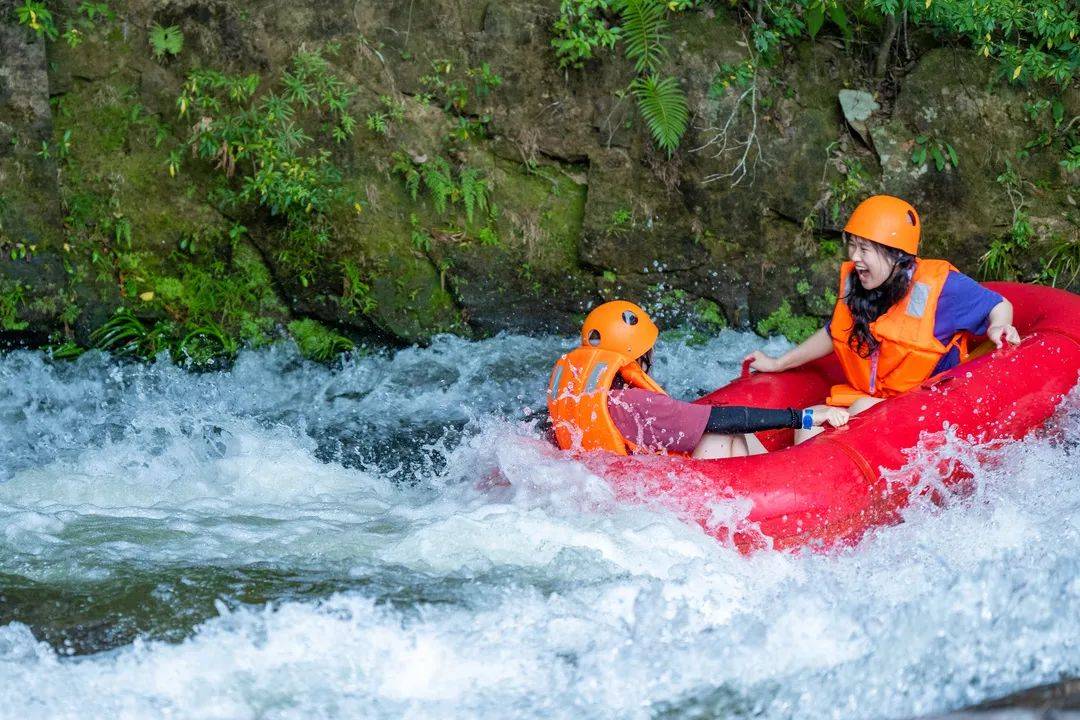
577 398
908 352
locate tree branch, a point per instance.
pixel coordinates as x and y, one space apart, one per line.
882 63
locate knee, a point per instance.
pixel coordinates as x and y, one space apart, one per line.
712 446
804 435
863 404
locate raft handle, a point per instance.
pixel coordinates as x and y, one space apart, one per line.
746 368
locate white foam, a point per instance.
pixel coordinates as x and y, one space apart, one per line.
564 602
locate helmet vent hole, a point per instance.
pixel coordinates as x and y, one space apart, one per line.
629 318
594 337
911 218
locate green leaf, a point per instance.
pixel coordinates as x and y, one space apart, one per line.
952 155
643 31
918 157
939 159
36 16
815 18
664 107
166 40
839 17
1058 111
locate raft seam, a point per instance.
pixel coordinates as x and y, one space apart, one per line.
861 462
1059 331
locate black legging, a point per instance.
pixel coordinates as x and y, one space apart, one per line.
737 419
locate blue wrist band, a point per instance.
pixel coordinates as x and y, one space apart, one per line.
807 419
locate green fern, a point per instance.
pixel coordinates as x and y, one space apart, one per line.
404 167
166 40
643 32
439 180
663 105
473 192
205 342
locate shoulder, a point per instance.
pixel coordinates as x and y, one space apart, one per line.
959 286
964 304
931 270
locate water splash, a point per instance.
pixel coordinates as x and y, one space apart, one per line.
285 540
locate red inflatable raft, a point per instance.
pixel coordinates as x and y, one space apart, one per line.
834 487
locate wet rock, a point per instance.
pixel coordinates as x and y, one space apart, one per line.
858 106
30 268
1058 701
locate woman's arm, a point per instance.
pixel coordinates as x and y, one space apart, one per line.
1001 329
736 419
816 346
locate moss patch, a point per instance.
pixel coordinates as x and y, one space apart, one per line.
410 291
316 341
11 298
795 328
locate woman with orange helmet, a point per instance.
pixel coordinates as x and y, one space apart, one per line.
601 397
899 319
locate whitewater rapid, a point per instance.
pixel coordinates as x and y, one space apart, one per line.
287 540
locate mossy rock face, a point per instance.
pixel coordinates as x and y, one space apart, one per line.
31 271
118 194
29 208
134 234
529 278
588 210
415 305
411 296
952 97
405 295
632 223
799 156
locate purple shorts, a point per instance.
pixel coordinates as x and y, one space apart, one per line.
656 422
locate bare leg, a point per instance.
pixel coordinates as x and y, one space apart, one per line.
753 445
713 446
738 446
863 404
802 436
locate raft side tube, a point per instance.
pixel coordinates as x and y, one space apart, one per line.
830 489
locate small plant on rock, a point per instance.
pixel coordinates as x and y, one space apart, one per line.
586 25
38 18
166 41
941 152
318 342
582 28
445 185
783 321
262 146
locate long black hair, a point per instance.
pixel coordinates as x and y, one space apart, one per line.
866 306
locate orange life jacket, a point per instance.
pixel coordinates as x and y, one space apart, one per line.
908 353
577 398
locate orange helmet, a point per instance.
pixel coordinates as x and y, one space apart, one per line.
888 221
621 327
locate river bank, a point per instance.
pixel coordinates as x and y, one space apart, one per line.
458 180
